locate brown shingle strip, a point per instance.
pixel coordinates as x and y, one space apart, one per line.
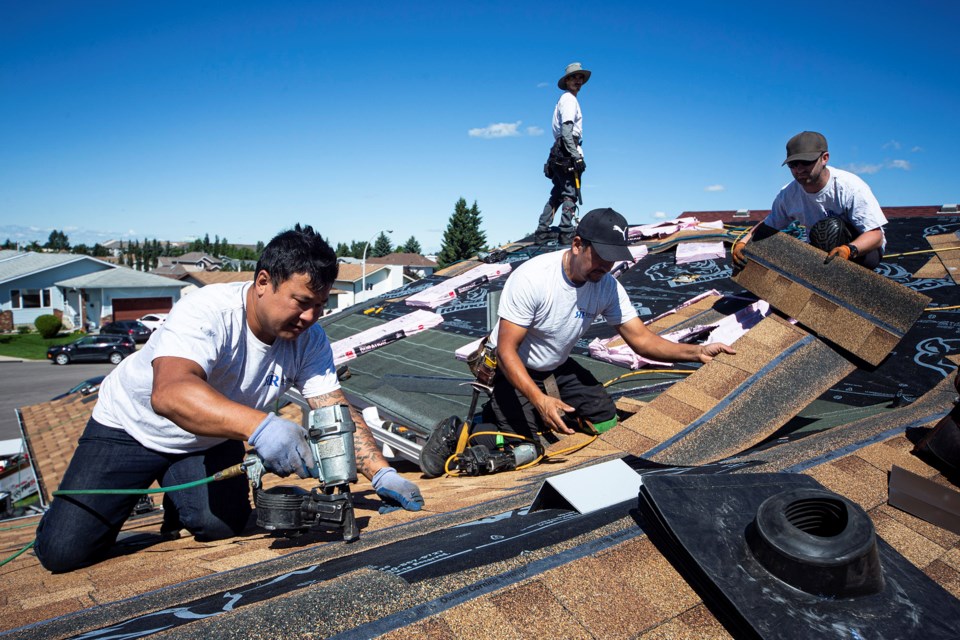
840 301
949 246
782 369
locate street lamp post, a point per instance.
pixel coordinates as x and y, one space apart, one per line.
363 262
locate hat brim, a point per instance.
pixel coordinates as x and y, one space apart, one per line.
562 82
804 157
612 252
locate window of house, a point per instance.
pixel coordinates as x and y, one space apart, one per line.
30 298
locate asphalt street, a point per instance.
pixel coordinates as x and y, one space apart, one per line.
28 382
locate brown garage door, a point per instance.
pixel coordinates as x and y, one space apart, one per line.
133 308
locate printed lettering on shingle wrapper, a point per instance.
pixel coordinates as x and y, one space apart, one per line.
397 329
449 289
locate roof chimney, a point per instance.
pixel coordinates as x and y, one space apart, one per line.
948 208
742 213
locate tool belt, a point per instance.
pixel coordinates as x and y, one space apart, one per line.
559 162
483 363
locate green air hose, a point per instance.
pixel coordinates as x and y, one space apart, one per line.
229 472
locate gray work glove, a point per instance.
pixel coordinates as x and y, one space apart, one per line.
396 492
282 445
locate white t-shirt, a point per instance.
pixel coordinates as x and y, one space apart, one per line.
539 296
568 110
845 196
209 327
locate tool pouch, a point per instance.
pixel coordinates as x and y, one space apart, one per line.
483 363
559 162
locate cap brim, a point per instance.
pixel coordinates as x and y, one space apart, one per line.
612 252
804 157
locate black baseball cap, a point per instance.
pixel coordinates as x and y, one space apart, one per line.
607 232
806 146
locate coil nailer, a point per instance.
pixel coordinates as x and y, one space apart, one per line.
290 510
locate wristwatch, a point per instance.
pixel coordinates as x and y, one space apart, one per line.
854 252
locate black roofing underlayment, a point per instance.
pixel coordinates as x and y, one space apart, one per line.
706 527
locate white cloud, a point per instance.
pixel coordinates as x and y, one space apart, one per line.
542 85
900 164
534 131
497 130
917 149
893 144
659 214
715 187
864 168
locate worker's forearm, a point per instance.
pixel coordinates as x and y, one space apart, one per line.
868 241
196 407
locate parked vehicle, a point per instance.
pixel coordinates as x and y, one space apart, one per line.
85 388
133 328
153 320
112 348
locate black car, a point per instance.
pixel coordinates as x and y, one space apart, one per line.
90 348
133 328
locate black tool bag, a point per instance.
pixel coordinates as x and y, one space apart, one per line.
559 162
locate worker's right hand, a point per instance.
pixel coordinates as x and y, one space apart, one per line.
282 445
579 165
739 260
552 411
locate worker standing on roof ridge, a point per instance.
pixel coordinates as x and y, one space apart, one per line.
179 409
565 164
546 306
837 209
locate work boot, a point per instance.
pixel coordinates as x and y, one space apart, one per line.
542 236
441 444
566 238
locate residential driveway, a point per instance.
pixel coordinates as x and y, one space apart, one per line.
27 382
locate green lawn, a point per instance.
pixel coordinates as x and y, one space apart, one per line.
31 346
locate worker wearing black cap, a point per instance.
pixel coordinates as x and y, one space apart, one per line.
547 304
837 210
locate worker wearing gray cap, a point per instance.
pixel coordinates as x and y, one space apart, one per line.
836 209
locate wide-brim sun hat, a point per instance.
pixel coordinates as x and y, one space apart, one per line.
572 68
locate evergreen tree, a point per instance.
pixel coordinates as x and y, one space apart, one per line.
81 249
356 249
462 238
381 247
342 249
57 241
411 246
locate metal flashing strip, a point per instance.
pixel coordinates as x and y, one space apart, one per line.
729 398
589 489
924 499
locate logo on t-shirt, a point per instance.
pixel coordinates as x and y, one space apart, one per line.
274 380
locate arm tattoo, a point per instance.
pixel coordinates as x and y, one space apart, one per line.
369 457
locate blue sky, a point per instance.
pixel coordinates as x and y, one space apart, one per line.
174 119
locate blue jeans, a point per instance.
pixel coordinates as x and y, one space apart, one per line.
77 530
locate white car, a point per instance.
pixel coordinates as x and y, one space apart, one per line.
153 320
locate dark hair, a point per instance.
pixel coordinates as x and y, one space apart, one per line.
299 250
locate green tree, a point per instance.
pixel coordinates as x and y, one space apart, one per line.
58 241
356 249
381 247
411 246
81 249
343 249
462 238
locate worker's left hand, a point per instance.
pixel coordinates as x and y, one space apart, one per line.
843 251
709 351
396 491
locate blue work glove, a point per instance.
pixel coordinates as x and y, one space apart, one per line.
282 445
396 492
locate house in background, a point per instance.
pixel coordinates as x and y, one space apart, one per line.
116 294
358 282
414 265
28 286
192 262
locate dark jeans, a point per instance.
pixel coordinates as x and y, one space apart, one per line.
510 411
564 193
79 529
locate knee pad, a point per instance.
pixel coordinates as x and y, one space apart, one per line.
830 233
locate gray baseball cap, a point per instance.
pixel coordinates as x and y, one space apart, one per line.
806 146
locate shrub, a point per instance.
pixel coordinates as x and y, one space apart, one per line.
48 326
23 329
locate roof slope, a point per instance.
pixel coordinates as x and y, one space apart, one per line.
474 561
119 278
